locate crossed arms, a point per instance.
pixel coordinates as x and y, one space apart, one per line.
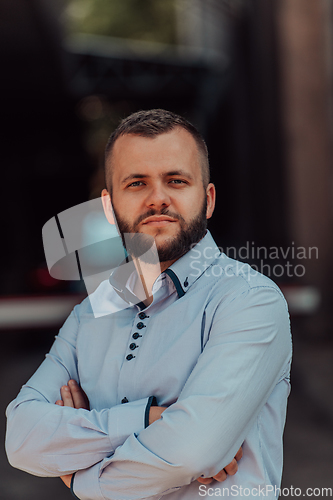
74 397
219 403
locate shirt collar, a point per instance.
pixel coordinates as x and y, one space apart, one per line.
118 279
188 269
183 273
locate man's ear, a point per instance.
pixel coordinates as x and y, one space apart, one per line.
211 196
107 207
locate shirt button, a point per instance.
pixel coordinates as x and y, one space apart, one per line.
140 325
124 400
136 335
133 346
142 316
129 357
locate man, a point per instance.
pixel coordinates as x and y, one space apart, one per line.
185 361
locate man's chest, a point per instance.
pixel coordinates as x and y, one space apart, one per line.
140 354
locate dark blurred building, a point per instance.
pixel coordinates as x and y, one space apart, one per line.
213 84
237 72
43 161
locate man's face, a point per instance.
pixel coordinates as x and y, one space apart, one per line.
157 190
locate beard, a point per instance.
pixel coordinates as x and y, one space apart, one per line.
142 245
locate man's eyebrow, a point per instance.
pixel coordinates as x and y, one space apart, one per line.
134 176
180 172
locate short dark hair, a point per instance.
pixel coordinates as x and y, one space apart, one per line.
155 122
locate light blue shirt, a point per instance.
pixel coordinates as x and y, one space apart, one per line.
214 346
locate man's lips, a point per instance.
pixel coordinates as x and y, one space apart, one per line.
155 220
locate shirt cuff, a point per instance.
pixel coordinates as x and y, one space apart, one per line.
72 486
86 484
151 402
131 417
127 419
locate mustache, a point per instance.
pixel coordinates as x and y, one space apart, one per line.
152 212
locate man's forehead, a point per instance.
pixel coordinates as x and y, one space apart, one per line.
165 149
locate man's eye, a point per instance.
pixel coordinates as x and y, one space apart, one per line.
135 184
178 181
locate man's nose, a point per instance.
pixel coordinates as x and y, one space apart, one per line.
158 197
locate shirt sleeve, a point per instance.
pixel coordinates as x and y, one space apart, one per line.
248 353
49 440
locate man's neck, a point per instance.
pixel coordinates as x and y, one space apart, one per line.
147 275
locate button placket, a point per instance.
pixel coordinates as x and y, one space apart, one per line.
140 325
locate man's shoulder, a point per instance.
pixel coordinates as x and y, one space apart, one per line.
244 274
230 277
206 264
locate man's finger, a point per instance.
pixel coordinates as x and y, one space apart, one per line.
67 479
66 396
205 480
239 454
80 399
59 402
231 468
221 476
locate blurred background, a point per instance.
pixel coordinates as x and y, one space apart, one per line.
255 76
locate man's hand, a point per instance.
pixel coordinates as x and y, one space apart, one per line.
72 395
155 413
229 470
